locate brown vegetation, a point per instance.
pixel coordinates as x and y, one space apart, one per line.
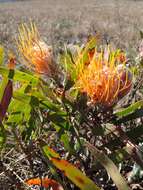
64 20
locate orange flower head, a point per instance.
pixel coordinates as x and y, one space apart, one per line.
105 79
34 50
11 61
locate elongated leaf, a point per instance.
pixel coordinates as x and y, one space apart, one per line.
126 111
1 55
50 153
67 143
49 105
56 118
22 97
83 55
137 114
19 76
3 86
72 64
70 171
7 95
16 114
66 61
109 166
27 99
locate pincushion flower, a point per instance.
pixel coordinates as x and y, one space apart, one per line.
35 51
105 78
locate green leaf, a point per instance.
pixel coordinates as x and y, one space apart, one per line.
66 61
22 97
19 76
56 118
65 138
25 98
15 118
2 86
83 56
31 128
18 115
49 105
49 152
74 63
130 109
137 114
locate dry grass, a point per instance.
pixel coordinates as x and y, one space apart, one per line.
69 20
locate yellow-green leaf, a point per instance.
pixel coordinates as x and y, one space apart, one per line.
130 109
1 55
70 171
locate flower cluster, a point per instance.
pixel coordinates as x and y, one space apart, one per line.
34 50
104 76
105 79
